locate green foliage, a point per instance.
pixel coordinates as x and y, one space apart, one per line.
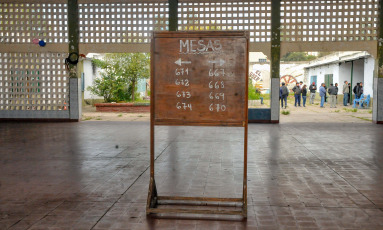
111 87
285 112
350 110
84 118
254 94
322 54
120 74
298 56
362 118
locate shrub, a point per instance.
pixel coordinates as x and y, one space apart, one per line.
111 87
285 112
254 93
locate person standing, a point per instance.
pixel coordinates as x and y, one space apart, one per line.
360 92
346 93
313 90
304 95
337 90
297 94
284 92
332 93
356 90
280 92
322 94
300 86
349 90
325 96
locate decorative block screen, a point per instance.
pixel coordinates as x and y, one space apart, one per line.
33 81
253 16
21 23
122 23
329 20
305 20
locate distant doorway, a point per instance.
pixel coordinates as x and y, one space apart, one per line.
328 80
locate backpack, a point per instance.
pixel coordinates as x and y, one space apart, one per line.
354 90
285 91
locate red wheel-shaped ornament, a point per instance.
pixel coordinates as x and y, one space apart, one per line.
288 79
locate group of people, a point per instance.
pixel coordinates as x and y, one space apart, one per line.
333 92
300 92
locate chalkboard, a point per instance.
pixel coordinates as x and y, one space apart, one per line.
199 78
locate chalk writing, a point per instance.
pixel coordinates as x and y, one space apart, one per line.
184 106
217 107
182 71
184 82
216 72
185 94
216 85
199 46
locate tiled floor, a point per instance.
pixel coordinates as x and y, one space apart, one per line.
95 175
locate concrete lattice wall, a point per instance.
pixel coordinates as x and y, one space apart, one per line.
125 26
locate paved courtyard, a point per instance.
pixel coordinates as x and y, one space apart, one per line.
310 113
95 175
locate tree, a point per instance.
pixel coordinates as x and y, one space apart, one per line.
137 68
120 73
297 56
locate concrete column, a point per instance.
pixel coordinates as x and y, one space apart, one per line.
173 15
75 102
275 58
74 87
377 108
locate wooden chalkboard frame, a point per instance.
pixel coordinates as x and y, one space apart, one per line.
153 199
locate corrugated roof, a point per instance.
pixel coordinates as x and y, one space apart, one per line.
338 57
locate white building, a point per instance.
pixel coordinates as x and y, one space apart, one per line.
88 75
336 68
259 71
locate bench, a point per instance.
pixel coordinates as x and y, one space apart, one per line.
365 100
357 101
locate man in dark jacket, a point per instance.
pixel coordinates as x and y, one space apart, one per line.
297 94
360 92
284 92
332 91
356 90
313 90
